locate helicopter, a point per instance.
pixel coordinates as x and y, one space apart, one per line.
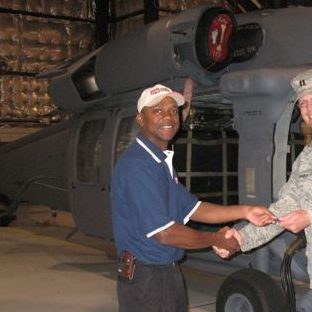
237 145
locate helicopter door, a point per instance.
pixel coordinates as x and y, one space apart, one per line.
88 184
125 132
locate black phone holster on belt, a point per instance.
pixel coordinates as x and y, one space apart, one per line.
126 265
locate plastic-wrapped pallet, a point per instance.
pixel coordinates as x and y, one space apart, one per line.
30 44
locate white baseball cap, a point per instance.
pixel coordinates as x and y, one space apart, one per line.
155 94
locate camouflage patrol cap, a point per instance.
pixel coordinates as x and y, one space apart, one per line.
302 83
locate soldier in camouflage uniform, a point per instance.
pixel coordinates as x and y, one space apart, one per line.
293 209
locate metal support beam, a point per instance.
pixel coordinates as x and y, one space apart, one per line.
101 22
151 13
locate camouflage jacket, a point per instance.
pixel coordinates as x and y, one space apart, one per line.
295 194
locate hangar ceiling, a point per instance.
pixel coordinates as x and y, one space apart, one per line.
38 35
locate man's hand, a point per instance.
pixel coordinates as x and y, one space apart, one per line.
228 233
295 221
259 215
226 242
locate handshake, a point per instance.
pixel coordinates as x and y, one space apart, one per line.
228 242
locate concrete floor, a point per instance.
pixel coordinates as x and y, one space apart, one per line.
42 271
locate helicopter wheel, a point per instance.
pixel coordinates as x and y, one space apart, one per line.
250 290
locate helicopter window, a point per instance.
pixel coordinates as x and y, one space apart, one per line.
89 151
127 133
212 149
208 163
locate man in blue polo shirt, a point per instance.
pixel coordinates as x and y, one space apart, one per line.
150 209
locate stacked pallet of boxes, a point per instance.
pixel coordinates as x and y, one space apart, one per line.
35 36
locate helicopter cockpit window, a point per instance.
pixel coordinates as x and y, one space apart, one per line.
89 151
127 133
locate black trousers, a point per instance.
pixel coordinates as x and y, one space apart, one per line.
154 288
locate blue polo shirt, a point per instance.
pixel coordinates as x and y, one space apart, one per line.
146 198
